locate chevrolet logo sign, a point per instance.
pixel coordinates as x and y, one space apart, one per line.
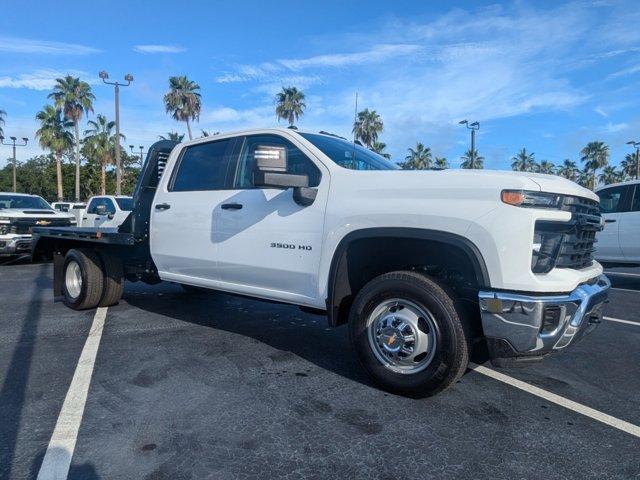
43 222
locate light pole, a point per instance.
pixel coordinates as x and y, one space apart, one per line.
141 153
636 145
14 145
128 78
473 127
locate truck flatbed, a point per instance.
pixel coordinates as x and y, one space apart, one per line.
88 234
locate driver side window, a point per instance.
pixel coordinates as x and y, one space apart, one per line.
297 162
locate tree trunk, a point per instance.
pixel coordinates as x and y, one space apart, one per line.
593 182
59 176
189 129
103 179
77 129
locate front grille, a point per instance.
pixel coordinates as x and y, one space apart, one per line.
577 237
23 226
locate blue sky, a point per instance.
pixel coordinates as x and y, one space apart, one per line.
548 76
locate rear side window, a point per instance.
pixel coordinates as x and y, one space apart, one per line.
297 162
635 205
207 166
615 199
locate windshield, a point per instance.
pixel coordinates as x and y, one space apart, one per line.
125 204
23 201
349 155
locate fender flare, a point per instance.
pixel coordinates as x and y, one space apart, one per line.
467 246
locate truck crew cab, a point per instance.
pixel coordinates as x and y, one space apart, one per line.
425 267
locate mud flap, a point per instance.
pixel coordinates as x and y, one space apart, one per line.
58 265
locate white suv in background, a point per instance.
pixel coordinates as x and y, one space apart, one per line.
619 242
107 211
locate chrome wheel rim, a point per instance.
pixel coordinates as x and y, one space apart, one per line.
73 279
402 335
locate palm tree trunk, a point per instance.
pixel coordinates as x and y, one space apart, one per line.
59 176
189 129
103 179
593 182
77 129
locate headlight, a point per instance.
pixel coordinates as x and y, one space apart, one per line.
524 198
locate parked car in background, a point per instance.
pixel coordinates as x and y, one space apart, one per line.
75 208
19 213
619 242
106 211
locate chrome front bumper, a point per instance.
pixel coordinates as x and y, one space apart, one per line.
524 327
15 245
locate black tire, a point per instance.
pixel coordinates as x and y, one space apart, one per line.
92 279
451 357
113 280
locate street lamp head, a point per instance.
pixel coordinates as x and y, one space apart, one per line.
475 124
128 77
25 139
141 147
632 143
131 147
13 138
103 74
463 122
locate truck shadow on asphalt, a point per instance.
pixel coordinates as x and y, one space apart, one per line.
283 327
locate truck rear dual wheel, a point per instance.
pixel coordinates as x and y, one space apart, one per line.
409 335
90 279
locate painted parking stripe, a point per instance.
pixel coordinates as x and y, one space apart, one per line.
558 400
57 459
619 320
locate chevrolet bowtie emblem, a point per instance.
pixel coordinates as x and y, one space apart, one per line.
43 222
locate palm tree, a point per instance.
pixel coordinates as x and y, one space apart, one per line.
418 158
379 148
74 97
54 134
585 178
568 170
547 167
478 161
595 155
610 175
173 136
629 166
441 163
524 161
207 133
183 100
367 126
100 143
290 104
2 115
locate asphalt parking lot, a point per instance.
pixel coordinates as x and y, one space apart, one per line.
214 386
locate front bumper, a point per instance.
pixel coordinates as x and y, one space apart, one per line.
526 327
15 244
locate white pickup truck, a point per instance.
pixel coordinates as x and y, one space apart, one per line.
106 211
619 242
19 213
426 267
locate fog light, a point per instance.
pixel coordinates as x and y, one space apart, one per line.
551 319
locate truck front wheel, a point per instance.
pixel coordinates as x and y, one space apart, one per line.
408 334
83 280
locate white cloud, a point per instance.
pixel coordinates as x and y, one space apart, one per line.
377 54
159 49
600 111
24 45
616 127
626 71
41 79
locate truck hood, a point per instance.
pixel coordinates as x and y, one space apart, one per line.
33 213
490 179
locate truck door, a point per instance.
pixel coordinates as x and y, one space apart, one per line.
182 237
614 202
267 244
630 228
98 212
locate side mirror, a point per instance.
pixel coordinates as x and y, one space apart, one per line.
271 168
101 210
110 216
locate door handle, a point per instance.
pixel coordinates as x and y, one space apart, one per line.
231 206
610 220
163 206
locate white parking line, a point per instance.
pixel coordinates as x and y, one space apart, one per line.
57 459
619 320
558 400
623 274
